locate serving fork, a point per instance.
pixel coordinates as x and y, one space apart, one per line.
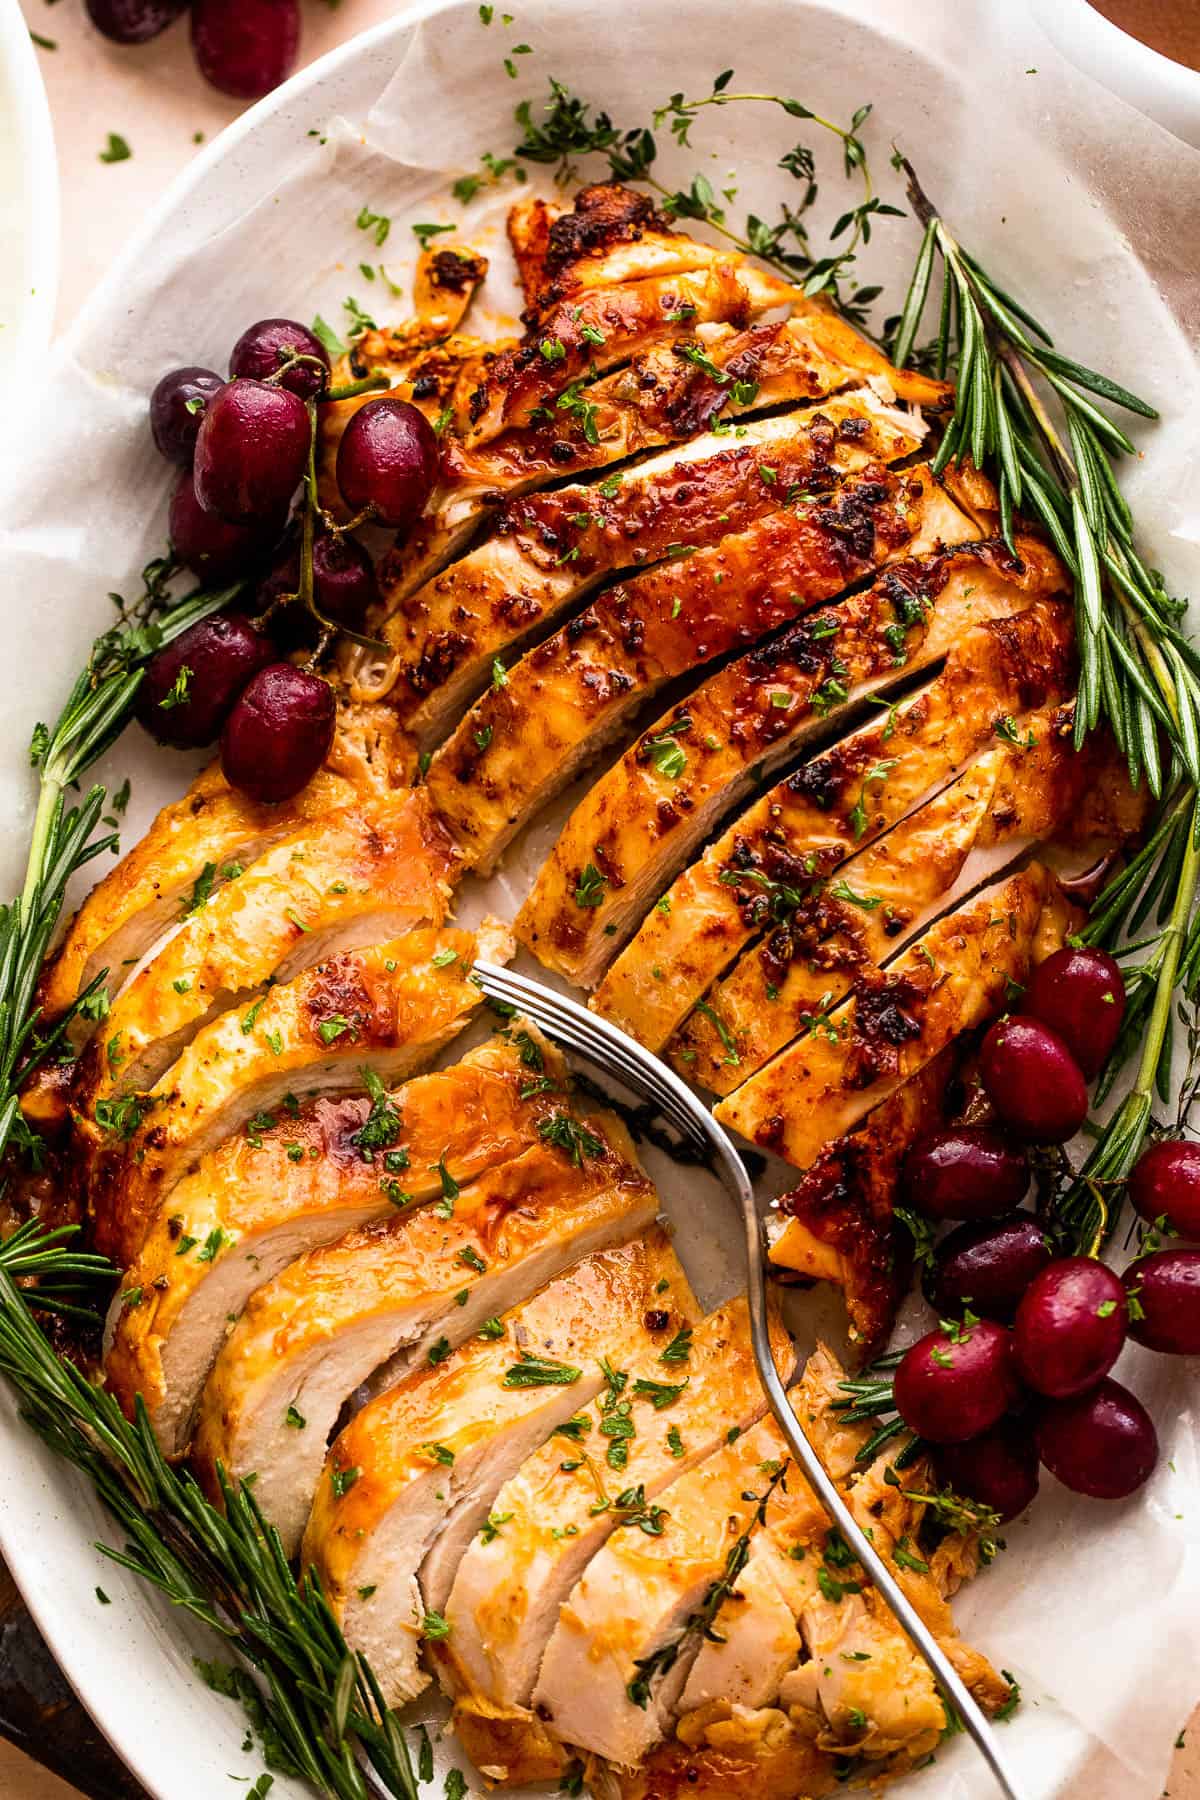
615 1053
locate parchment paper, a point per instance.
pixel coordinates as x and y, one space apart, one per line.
1075 202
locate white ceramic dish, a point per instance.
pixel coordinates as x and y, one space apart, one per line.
29 221
130 1661
1164 90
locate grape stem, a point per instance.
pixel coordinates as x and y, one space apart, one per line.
370 384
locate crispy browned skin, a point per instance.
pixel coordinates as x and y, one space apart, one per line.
896 1019
612 277
526 738
839 1220
641 820
546 551
1016 794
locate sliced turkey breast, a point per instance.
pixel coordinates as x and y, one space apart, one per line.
659 397
648 814
561 704
389 1009
838 1223
210 827
650 1424
352 878
399 1289
317 1173
610 325
429 1456
741 1709
899 1017
549 550
630 1630
827 930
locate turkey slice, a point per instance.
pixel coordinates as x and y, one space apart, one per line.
389 1008
430 1455
650 1424
900 1017
547 551
648 814
352 878
251 1209
397 1290
564 701
631 1628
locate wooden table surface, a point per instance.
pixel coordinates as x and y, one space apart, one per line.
154 97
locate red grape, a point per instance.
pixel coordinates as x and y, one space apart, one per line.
251 451
133 21
388 461
987 1265
1101 1443
1070 1326
177 406
952 1385
246 47
208 546
1164 1295
343 580
279 733
219 655
265 347
1033 1081
964 1173
999 1469
1079 994
1166 1182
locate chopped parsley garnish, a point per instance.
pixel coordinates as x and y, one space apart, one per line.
381 1126
567 1134
660 1394
680 1346
589 889
540 1371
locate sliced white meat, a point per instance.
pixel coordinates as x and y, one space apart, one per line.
353 878
397 1290
429 1456
644 818
547 551
631 1629
649 1425
390 1009
900 1017
319 1172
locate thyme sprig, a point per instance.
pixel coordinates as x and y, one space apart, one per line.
1031 416
570 129
701 1623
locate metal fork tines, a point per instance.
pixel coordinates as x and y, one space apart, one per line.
612 1051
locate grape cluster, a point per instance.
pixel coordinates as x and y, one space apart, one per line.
1016 1376
243 445
243 47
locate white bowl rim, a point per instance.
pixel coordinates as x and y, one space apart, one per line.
1164 90
40 184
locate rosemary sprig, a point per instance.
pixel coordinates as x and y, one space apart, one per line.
315 1701
66 837
317 1706
569 128
1030 416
